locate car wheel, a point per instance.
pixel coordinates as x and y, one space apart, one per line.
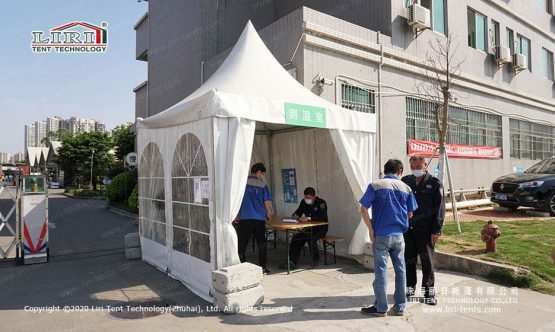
511 207
550 203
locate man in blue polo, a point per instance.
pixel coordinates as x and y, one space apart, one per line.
255 210
392 203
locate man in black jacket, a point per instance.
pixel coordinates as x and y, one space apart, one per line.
311 208
424 227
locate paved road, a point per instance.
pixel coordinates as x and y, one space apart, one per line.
88 270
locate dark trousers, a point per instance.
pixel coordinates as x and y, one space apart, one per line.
420 244
298 240
246 228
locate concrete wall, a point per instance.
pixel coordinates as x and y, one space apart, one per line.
141 97
141 33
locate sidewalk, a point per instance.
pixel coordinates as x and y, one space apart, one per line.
89 275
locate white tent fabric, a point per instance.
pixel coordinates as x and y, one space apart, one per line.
210 134
34 155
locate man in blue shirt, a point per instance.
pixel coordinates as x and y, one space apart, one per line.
255 210
392 203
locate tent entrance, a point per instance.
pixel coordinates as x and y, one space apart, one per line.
297 157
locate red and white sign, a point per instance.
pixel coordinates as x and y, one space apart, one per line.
426 149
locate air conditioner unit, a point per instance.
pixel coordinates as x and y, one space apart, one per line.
419 17
502 54
519 61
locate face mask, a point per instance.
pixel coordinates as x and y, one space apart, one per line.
418 172
308 201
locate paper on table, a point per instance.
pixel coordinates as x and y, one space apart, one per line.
292 221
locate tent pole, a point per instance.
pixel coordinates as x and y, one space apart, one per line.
270 167
217 260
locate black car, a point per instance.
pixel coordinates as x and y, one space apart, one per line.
535 188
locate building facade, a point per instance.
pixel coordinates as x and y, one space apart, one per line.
29 135
40 133
374 55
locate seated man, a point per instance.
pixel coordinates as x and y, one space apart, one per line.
312 208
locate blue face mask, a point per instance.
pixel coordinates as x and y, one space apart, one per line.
308 201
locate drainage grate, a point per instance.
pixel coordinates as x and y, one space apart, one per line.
142 309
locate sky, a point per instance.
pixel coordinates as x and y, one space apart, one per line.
34 86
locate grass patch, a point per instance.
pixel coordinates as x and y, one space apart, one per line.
524 243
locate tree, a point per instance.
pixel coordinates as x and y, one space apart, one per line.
124 141
442 71
54 136
78 152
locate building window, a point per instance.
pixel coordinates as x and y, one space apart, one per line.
476 30
511 40
408 3
466 126
523 47
547 63
546 4
357 99
437 13
495 34
531 140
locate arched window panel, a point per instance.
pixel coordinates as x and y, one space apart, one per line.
151 195
191 220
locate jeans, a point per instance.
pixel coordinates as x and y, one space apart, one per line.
393 246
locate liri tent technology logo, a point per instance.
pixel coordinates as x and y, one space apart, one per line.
72 37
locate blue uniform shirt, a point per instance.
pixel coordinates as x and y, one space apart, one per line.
391 199
256 193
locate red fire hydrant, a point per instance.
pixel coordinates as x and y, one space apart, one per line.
490 232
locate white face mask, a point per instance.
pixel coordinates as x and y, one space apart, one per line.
308 201
418 172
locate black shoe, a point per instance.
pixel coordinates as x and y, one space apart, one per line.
372 311
292 265
410 292
265 271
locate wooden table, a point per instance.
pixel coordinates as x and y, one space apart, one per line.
277 224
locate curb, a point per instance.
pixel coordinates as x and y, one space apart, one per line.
472 266
123 212
77 197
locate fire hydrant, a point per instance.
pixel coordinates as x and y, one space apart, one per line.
490 232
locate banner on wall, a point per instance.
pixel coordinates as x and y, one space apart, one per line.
425 148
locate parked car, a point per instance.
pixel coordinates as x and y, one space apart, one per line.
535 188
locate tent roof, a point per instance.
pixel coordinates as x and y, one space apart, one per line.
256 86
33 155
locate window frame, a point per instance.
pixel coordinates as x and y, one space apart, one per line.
466 126
548 62
520 39
355 105
526 137
473 40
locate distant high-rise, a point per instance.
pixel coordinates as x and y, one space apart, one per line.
40 132
20 156
29 135
5 157
53 124
100 126
35 133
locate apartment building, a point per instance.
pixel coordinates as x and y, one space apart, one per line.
370 56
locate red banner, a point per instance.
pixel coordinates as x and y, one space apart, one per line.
426 149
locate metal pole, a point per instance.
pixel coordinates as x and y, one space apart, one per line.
92 162
453 200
